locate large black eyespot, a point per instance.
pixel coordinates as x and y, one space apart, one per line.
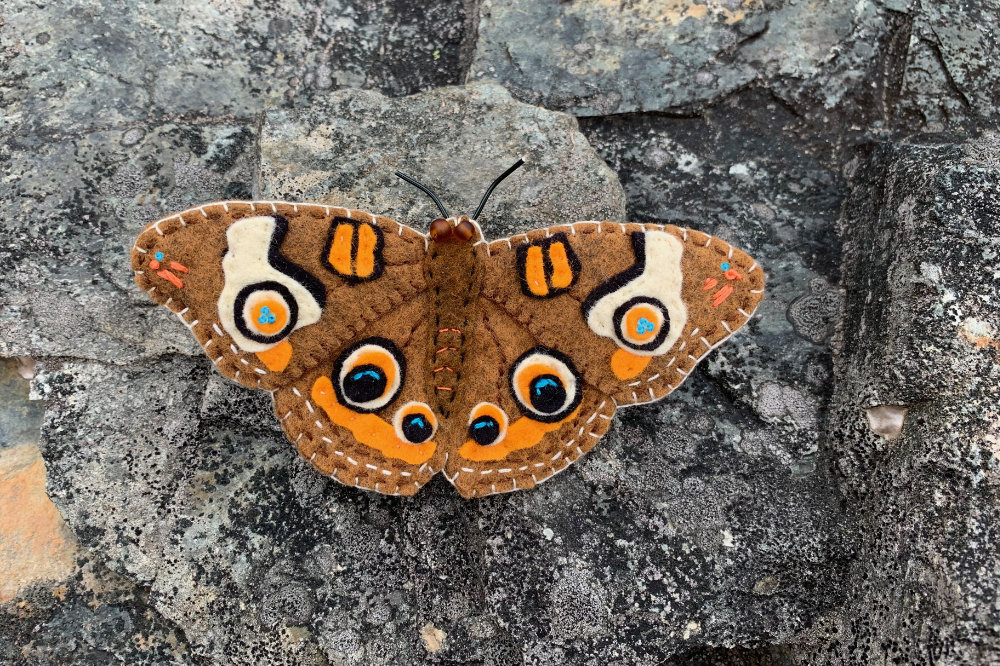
547 393
415 422
265 312
545 384
368 375
487 424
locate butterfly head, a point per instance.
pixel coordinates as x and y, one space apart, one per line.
456 229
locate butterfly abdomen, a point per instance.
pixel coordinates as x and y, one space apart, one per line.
454 279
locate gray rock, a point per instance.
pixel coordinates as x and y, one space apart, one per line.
921 329
109 65
597 58
183 484
905 63
20 418
454 140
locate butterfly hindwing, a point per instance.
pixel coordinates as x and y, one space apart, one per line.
363 416
524 414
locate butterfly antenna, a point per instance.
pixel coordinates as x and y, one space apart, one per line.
426 190
489 191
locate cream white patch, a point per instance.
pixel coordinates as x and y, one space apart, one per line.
661 278
245 263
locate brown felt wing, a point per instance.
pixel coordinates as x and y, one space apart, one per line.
271 289
323 306
634 306
523 413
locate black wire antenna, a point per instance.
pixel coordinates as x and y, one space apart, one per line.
426 190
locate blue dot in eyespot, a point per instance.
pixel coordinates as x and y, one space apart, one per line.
482 424
725 266
366 373
159 256
543 384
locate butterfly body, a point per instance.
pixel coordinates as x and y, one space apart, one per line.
393 354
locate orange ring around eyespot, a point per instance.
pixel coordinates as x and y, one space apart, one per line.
413 408
641 323
379 358
276 308
489 409
528 374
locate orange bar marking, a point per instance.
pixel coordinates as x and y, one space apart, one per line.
365 264
709 284
340 249
562 272
534 271
276 358
721 295
171 278
178 267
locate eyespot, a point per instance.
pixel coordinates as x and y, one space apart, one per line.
415 423
487 424
642 323
266 312
545 384
367 375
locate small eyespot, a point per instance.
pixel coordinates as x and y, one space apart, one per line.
642 323
545 384
415 422
266 312
368 375
487 424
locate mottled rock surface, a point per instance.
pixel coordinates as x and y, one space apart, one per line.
913 62
921 330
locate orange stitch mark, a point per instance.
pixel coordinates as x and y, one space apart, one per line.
720 296
444 388
522 434
442 368
562 272
153 264
369 429
178 267
534 271
444 349
709 284
171 278
366 251
732 274
448 330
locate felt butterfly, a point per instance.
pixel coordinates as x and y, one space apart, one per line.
393 355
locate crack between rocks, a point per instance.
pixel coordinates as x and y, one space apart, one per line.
939 56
